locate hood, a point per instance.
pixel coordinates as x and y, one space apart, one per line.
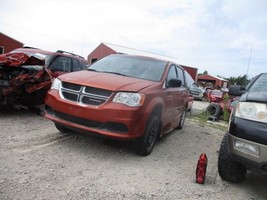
16 59
254 97
106 81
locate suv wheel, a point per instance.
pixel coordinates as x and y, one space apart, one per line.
61 128
145 144
182 120
229 169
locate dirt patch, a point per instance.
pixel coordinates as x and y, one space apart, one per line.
37 162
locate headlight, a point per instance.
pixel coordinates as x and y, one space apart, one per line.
130 99
56 84
252 111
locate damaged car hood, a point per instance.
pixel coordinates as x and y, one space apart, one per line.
16 59
18 68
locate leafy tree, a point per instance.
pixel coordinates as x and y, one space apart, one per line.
232 80
204 73
240 80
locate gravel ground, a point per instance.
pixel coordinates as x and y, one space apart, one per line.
37 162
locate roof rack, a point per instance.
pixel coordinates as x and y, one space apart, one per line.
65 52
28 47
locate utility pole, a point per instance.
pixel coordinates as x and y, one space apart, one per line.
249 58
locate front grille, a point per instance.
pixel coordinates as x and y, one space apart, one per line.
71 86
92 101
84 94
97 91
195 92
70 96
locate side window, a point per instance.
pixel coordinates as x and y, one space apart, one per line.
61 63
188 79
75 65
180 75
172 73
82 66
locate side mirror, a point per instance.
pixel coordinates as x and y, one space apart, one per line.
236 90
174 83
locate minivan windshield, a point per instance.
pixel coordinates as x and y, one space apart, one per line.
137 67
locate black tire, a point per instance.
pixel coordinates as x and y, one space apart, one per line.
229 169
213 110
146 143
61 128
182 120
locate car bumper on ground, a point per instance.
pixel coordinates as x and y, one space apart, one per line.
122 121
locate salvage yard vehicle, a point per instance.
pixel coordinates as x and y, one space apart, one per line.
121 97
215 96
27 73
207 91
196 92
244 146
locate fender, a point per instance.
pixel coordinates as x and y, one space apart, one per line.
156 102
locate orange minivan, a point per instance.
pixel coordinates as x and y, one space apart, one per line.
122 97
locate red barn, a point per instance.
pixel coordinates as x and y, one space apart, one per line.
105 49
8 44
215 81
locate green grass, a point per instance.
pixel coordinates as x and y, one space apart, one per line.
202 119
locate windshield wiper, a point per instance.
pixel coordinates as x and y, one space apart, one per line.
117 73
91 70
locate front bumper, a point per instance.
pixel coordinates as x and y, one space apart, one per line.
110 120
198 97
252 161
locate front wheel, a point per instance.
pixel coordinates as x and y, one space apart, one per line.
229 169
146 143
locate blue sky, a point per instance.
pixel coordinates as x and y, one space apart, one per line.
211 35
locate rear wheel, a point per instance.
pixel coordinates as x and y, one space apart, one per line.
182 120
229 169
146 143
61 128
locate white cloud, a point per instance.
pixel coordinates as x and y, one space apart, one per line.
212 35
